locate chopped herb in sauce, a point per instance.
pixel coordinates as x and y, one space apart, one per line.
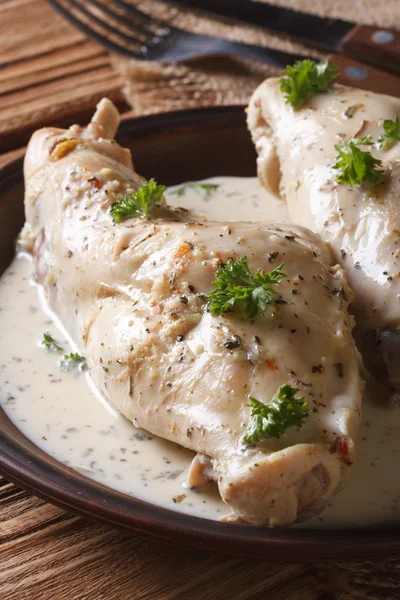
351 110
391 135
71 360
50 343
179 499
306 78
138 203
204 189
233 343
356 166
273 419
234 283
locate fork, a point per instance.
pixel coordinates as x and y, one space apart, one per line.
126 30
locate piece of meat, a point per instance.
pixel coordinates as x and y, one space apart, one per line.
133 297
361 224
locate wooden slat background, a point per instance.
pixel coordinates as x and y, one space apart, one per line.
42 57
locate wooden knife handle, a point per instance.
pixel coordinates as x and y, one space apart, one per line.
364 76
378 46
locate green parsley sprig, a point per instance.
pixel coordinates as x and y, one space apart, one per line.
356 166
50 343
234 283
305 78
138 203
204 189
391 135
72 360
273 419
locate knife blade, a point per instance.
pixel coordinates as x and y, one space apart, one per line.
380 47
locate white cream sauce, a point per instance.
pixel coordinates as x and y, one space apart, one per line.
62 413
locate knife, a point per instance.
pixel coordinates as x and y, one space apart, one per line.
380 47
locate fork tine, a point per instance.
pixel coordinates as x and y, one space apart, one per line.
147 33
129 8
98 37
83 8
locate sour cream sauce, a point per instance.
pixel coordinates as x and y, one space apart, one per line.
64 415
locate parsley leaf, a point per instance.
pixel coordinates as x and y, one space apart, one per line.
72 360
272 420
391 135
363 141
305 78
138 203
204 189
355 166
235 283
50 343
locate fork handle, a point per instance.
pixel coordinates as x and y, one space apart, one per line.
364 76
379 46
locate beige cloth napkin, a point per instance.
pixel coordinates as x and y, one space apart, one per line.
151 88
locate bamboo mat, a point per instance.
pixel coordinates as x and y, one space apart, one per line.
51 74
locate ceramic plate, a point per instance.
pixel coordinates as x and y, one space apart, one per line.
173 147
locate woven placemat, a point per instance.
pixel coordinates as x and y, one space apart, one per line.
151 88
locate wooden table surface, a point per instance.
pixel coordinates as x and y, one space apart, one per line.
50 74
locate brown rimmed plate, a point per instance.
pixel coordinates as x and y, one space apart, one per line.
172 147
